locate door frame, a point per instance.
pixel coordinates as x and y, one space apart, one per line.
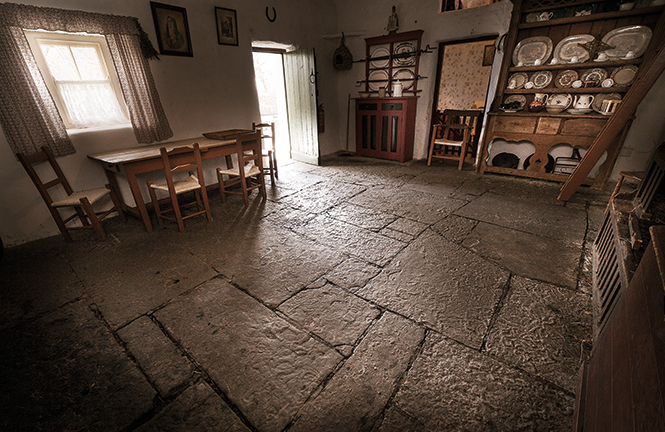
439 68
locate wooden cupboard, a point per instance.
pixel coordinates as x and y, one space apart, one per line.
543 134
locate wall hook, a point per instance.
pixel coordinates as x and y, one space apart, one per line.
274 14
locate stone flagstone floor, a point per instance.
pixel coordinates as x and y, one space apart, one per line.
363 295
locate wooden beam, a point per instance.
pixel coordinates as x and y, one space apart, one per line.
652 68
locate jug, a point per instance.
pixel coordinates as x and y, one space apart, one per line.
397 89
539 101
583 101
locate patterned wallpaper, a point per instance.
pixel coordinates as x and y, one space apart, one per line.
464 79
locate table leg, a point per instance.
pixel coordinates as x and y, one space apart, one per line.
138 197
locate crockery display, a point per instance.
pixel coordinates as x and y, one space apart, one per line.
596 74
566 78
597 104
377 79
569 50
625 40
624 75
513 103
406 77
541 79
517 80
405 54
531 49
379 57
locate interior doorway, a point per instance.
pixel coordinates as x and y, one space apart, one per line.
462 81
269 73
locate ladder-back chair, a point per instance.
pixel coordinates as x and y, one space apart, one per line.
268 132
80 201
249 172
455 136
178 160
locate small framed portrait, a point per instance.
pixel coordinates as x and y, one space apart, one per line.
172 29
227 26
488 55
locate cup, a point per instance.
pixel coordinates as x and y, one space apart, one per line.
537 62
554 61
630 55
574 59
520 64
529 85
602 57
626 6
609 106
577 84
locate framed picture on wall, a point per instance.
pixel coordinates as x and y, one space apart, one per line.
488 55
172 30
227 26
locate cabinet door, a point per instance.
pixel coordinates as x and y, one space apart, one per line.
380 129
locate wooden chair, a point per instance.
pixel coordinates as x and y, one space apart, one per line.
270 153
175 161
80 201
249 172
454 137
633 175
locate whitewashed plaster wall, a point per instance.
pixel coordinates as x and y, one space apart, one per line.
213 90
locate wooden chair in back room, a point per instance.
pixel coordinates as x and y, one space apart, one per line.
249 172
178 160
268 133
454 137
80 201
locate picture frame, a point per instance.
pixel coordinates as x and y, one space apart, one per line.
227 26
488 55
172 30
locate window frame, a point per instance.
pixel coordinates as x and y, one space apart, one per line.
74 39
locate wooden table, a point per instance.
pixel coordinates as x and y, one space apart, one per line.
139 160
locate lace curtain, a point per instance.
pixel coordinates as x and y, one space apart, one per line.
28 114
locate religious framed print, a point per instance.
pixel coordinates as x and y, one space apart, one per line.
227 26
172 29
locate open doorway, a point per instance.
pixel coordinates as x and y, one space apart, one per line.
287 89
462 82
269 73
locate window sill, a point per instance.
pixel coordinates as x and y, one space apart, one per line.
98 129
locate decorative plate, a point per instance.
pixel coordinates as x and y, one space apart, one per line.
405 54
377 79
406 77
625 39
565 79
541 79
596 74
562 99
517 81
521 99
381 54
624 75
569 48
600 98
531 49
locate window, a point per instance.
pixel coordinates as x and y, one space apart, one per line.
79 74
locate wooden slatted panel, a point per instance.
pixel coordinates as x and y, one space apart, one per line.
301 107
606 274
